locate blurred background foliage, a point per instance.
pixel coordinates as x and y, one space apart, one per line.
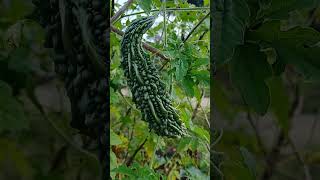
36 139
265 90
137 153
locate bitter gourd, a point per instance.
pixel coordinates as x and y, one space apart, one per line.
148 91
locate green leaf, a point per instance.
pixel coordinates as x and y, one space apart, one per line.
229 23
183 144
146 5
125 170
278 9
248 70
201 132
12 116
202 76
181 66
188 84
113 163
114 138
280 104
200 62
249 161
295 46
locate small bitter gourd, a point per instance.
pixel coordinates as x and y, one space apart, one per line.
148 91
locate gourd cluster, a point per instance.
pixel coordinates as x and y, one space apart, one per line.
76 32
148 91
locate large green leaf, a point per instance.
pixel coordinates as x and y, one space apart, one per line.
280 105
280 9
114 138
248 71
12 115
230 19
295 46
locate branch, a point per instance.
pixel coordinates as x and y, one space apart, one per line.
121 11
155 51
169 9
135 152
196 26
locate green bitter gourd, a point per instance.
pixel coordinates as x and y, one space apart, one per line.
148 91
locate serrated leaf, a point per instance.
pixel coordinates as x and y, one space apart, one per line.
248 71
181 66
280 104
229 22
249 161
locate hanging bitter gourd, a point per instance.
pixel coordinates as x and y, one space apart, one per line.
148 91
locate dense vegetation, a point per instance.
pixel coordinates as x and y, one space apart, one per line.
267 61
183 41
50 128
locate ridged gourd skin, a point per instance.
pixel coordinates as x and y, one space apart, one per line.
148 91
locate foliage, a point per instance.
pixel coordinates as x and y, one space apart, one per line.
265 52
36 139
187 77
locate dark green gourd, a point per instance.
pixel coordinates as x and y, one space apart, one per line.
148 91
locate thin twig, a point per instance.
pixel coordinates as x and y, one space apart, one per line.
130 138
196 26
205 114
121 11
153 50
135 152
195 111
169 9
